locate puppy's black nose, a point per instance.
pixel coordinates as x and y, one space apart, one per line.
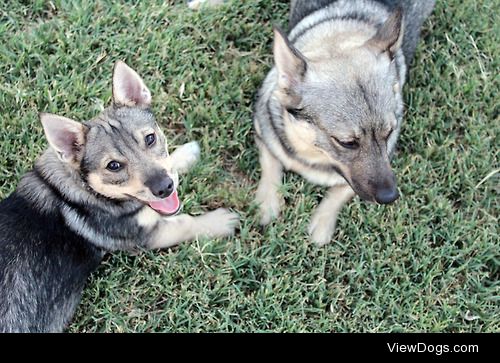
161 186
387 195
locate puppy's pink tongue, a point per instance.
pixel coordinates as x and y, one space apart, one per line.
167 206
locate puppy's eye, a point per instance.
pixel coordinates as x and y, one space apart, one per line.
353 144
114 166
150 139
389 134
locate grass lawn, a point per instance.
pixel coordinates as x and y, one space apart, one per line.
429 262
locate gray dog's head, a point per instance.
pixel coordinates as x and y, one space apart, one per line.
121 154
341 97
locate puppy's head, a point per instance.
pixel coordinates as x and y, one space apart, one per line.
122 153
340 97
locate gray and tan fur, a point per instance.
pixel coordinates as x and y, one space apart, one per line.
71 209
331 108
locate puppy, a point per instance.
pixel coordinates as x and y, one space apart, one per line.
104 185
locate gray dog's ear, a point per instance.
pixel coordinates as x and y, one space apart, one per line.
67 137
389 37
129 88
290 63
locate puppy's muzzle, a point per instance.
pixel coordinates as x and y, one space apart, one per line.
160 184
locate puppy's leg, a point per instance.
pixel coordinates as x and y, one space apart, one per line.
268 196
185 156
196 4
325 216
171 231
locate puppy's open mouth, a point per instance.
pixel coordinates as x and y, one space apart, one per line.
168 206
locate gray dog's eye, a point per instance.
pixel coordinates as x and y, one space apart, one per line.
299 114
150 139
295 112
353 144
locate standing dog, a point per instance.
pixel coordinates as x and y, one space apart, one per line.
331 108
104 185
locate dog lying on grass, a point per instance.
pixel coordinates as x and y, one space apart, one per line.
104 185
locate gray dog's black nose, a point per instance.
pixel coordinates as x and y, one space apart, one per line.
387 195
161 186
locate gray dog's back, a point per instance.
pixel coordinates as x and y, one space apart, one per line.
415 12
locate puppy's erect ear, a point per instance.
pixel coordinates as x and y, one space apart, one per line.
390 35
67 137
129 88
290 63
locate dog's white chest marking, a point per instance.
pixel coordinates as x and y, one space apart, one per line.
147 217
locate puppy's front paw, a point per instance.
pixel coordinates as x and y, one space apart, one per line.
221 222
196 4
185 156
270 203
321 228
192 152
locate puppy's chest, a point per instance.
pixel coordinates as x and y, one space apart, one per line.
147 218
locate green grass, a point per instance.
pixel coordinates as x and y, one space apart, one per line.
430 262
